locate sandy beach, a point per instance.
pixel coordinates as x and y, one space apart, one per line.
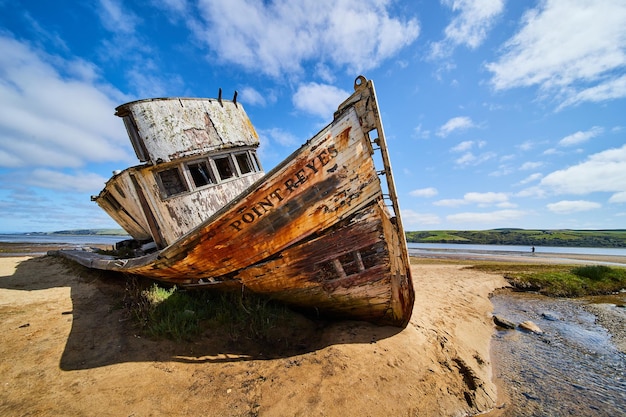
68 350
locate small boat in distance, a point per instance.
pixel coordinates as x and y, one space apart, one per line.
320 232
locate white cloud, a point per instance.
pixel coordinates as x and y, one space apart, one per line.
324 72
582 61
463 146
467 145
580 136
51 119
494 217
480 199
529 166
83 182
179 7
531 178
421 133
276 37
450 202
618 197
454 124
603 171
469 158
552 151
117 18
486 198
506 204
413 218
526 146
469 26
569 206
279 136
466 159
502 170
608 90
250 96
534 191
319 99
147 82
424 192
127 45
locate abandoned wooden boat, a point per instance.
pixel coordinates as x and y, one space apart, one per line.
320 232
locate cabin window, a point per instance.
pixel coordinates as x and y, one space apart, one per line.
255 160
224 167
172 182
201 174
244 162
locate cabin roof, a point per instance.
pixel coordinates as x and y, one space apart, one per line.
122 109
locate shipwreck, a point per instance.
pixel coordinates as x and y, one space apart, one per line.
320 232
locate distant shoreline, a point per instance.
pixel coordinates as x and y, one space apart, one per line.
76 232
607 238
10 249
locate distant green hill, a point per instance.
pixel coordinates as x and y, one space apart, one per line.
89 232
523 237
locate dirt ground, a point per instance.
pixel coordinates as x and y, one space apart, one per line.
67 349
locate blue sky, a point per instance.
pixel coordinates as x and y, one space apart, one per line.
497 113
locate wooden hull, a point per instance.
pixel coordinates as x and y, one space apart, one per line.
314 232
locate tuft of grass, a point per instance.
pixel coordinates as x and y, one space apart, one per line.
178 314
560 280
597 272
171 313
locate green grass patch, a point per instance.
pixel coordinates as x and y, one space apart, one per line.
178 314
440 236
559 280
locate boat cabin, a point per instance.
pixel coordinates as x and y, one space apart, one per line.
197 155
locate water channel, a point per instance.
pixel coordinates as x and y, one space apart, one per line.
572 369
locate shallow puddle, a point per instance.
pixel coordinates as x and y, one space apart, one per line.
573 369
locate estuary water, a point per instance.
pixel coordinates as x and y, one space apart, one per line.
509 249
572 369
77 240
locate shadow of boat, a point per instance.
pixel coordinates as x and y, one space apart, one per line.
102 333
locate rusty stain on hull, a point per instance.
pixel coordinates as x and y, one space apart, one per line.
316 232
